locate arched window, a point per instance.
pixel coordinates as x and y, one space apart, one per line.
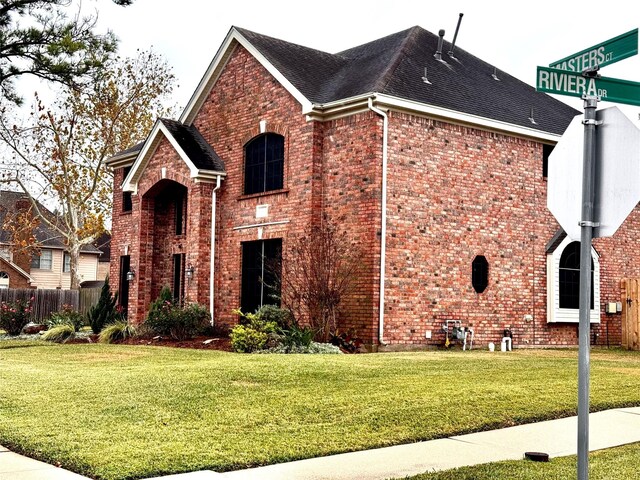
563 282
264 164
569 277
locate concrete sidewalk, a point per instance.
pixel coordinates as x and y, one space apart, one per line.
555 437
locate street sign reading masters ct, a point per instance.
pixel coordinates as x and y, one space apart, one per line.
605 53
566 76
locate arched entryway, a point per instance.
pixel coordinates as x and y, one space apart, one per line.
164 214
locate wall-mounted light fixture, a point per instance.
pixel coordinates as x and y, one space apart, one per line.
189 271
131 274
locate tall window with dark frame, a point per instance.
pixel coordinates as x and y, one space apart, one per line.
546 151
178 277
264 164
127 203
570 277
260 274
123 283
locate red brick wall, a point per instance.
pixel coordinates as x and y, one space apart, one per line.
456 192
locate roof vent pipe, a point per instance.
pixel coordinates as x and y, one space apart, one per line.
438 54
455 36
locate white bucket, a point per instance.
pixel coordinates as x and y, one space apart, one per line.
492 347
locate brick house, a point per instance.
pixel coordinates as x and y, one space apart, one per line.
435 163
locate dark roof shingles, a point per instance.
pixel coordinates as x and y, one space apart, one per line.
194 145
395 65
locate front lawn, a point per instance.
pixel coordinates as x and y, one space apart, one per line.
116 412
620 463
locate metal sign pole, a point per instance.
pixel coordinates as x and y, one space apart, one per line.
586 235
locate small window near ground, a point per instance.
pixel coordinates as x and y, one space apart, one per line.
480 273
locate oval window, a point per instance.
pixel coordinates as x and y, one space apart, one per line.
480 273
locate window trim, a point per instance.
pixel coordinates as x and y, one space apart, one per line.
555 314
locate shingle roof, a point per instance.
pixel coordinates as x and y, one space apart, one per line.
46 236
394 65
194 145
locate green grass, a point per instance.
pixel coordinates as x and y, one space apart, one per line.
115 412
620 463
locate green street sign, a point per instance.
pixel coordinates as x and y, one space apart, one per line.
605 53
562 82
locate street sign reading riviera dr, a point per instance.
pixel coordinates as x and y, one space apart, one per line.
562 82
605 53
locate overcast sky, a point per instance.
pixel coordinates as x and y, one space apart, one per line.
514 36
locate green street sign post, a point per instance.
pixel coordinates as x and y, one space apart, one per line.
605 53
563 82
576 76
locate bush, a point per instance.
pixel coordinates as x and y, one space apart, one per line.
160 304
273 314
175 321
14 316
103 312
270 328
60 333
66 316
312 348
245 339
118 330
296 336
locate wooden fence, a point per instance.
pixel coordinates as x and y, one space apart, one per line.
46 302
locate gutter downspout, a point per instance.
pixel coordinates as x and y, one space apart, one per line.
383 239
212 266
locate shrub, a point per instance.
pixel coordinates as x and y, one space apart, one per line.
312 348
66 316
245 339
158 306
178 322
270 327
118 330
283 318
60 333
14 316
296 336
104 311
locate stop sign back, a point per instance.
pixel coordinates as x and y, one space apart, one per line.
617 177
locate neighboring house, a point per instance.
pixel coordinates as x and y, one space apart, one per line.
50 267
434 163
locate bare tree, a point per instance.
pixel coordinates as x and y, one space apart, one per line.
60 154
320 268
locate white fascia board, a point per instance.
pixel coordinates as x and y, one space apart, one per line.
120 161
207 176
217 65
338 108
445 113
130 183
